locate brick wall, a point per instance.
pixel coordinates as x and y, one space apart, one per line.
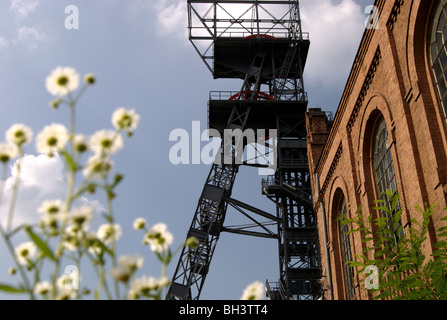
391 77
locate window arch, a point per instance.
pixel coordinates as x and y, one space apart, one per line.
438 51
346 251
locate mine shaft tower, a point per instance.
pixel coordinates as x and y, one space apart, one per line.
261 43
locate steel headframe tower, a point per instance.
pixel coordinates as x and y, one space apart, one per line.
261 43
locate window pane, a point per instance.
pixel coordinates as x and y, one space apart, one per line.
441 22
434 51
438 51
346 253
437 69
442 87
444 104
384 168
444 33
443 59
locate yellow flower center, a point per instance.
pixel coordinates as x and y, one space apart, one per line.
62 81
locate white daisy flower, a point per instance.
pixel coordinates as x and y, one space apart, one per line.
52 212
126 120
19 135
66 294
49 221
62 80
72 238
8 151
51 139
51 207
147 285
254 291
139 223
131 262
132 295
106 142
90 241
43 288
24 252
159 238
128 265
80 144
108 233
81 215
67 285
144 285
97 167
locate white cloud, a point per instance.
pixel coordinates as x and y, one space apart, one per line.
335 33
22 8
42 178
4 43
31 36
335 29
170 16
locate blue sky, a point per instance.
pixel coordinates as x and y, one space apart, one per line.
140 54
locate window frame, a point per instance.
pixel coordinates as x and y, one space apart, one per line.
438 57
346 250
383 163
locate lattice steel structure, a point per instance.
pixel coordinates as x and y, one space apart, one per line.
261 43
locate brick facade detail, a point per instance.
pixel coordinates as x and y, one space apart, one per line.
391 77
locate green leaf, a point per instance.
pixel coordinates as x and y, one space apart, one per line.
43 247
354 264
117 179
69 160
11 289
383 208
104 248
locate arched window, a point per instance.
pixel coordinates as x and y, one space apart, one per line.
383 163
346 252
438 51
384 170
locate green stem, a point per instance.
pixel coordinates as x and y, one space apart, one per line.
164 266
81 92
103 282
72 127
69 196
5 234
15 189
59 250
112 221
3 181
18 265
100 278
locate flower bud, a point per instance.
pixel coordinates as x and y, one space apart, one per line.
192 242
55 103
90 78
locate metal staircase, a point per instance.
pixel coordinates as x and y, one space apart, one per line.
268 54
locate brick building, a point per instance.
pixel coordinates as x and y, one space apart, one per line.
389 132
